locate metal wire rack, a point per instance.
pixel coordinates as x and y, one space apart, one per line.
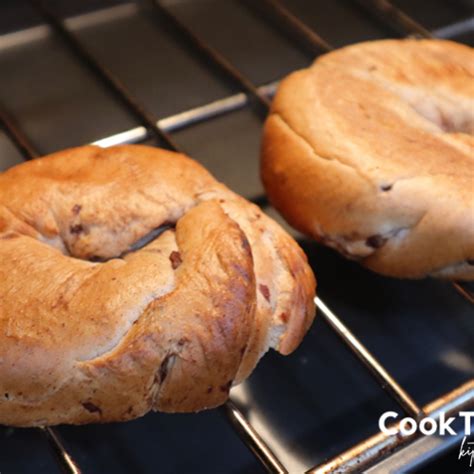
364 454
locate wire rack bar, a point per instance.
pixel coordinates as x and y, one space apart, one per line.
16 135
295 26
463 292
189 117
367 453
253 440
387 382
64 459
111 82
214 56
394 18
455 29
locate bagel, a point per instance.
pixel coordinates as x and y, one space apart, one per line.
131 280
370 151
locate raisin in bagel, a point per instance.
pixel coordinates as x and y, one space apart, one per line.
370 151
91 331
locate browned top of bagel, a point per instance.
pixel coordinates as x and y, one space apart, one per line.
370 150
90 331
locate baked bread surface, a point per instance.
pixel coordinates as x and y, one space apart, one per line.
91 331
371 151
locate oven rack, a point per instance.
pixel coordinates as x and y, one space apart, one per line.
377 447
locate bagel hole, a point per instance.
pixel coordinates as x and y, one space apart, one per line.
150 237
139 244
386 187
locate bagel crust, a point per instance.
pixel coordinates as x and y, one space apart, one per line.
371 151
95 329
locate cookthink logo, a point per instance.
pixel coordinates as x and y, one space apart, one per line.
440 426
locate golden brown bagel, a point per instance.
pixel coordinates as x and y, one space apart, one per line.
91 333
371 151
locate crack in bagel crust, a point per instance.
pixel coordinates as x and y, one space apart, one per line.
370 151
128 282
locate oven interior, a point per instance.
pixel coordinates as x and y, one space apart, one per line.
320 401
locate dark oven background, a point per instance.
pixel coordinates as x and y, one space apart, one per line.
321 400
